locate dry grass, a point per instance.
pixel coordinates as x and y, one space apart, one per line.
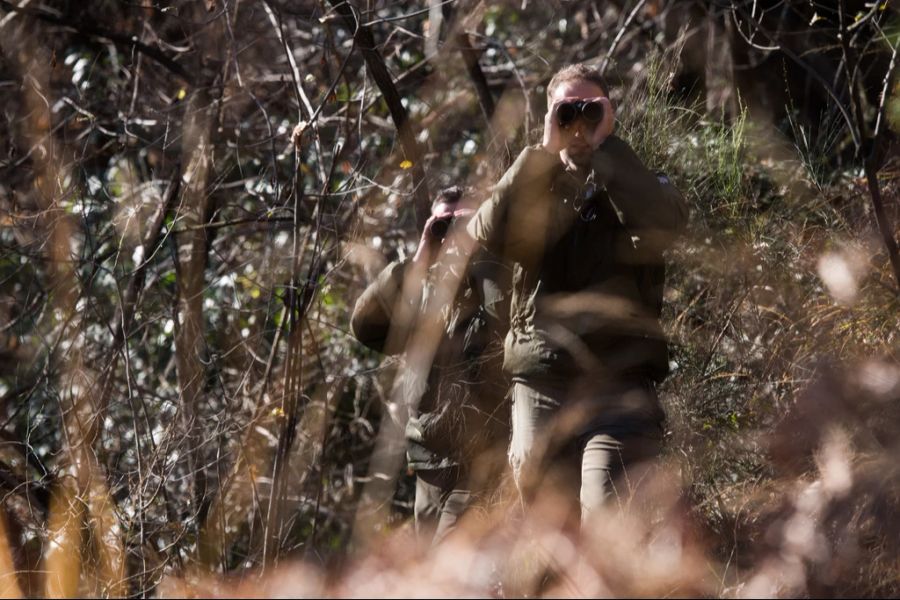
780 474
824 524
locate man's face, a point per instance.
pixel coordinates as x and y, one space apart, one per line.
575 137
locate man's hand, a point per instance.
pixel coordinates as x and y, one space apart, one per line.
553 142
606 127
428 244
424 252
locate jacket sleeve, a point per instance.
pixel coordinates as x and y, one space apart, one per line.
650 207
507 232
378 310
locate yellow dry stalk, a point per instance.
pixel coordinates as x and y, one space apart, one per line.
9 584
110 551
62 556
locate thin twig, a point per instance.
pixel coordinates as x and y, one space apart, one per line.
412 151
470 56
871 162
92 31
812 72
625 25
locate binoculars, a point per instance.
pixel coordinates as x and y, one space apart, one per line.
589 110
440 227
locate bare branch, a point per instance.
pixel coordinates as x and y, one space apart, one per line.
412 151
93 31
471 56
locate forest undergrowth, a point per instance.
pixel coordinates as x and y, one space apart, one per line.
193 196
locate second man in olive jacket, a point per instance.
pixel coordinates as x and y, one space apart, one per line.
457 416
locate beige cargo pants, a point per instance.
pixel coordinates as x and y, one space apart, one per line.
601 436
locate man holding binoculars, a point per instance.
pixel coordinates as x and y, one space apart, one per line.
457 425
583 223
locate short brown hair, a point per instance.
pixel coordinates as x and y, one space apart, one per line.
450 195
577 72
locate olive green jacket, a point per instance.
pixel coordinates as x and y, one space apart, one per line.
460 410
587 249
